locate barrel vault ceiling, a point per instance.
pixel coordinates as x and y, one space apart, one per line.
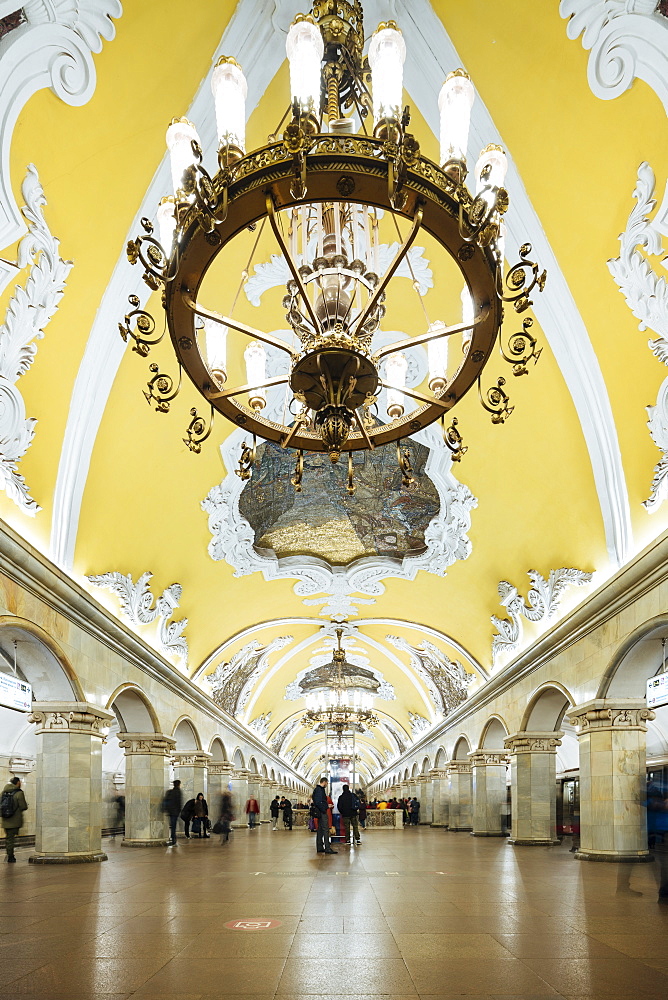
561 484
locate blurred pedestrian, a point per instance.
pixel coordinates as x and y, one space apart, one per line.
187 814
224 825
287 814
171 804
12 806
200 821
274 809
252 811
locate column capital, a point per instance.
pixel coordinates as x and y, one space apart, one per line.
611 713
70 717
191 758
240 773
220 767
458 767
147 743
21 765
438 772
535 742
485 758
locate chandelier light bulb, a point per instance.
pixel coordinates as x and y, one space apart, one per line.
490 170
437 352
255 357
467 316
166 219
180 136
229 88
396 367
216 347
305 48
387 55
454 103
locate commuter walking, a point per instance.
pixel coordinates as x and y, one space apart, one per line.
200 822
223 826
274 809
321 811
12 807
348 805
252 812
171 805
287 814
362 811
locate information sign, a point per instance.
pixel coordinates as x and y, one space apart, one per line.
657 691
15 693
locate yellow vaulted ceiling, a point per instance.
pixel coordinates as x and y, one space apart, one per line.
537 502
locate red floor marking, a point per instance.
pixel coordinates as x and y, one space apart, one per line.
252 925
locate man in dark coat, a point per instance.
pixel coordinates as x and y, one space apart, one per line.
348 805
274 809
12 824
320 807
172 805
287 813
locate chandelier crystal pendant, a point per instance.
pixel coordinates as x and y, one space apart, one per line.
326 188
342 708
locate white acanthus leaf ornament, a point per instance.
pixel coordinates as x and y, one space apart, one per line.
543 602
136 601
646 295
29 310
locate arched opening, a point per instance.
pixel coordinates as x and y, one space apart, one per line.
493 734
186 736
264 770
217 750
426 765
546 709
462 749
238 759
441 758
252 766
415 770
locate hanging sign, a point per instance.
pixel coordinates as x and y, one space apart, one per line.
15 693
657 691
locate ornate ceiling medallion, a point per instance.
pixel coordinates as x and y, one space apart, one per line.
332 197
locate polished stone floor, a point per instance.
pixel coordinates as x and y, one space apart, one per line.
418 913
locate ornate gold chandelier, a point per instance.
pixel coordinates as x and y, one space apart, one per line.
341 709
326 187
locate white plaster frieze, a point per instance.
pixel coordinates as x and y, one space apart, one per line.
543 601
136 602
232 682
626 39
29 310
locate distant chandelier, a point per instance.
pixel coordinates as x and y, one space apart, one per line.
327 190
342 708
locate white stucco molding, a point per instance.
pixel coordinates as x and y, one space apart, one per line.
626 39
255 35
54 48
646 295
29 310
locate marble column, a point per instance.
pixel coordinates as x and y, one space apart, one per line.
218 778
239 780
68 792
533 787
612 744
190 767
426 798
266 795
488 791
24 768
459 795
147 758
439 781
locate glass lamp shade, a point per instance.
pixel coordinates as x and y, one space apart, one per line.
490 170
437 352
454 103
467 316
305 49
396 367
386 58
166 219
229 88
216 346
180 136
255 357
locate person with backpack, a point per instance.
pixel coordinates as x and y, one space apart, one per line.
348 805
12 806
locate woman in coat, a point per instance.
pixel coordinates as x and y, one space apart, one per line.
200 816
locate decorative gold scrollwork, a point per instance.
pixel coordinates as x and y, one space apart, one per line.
296 477
161 389
350 484
247 460
522 349
521 280
496 401
405 466
197 431
144 334
152 256
454 440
